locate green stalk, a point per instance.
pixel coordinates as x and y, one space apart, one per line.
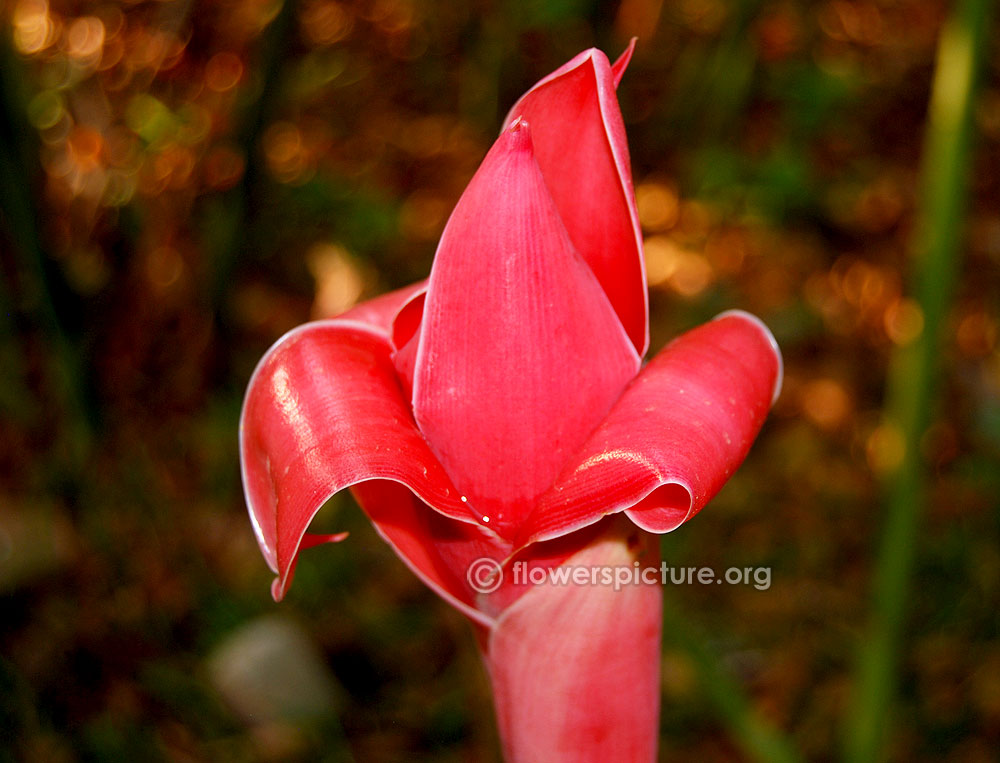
758 739
228 234
911 384
29 286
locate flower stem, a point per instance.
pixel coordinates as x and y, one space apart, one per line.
910 387
29 296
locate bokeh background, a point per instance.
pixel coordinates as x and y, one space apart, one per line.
183 180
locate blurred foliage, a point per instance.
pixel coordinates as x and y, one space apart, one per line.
181 182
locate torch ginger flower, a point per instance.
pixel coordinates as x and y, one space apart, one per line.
499 414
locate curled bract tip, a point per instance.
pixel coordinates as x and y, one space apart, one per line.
618 67
281 584
518 123
780 376
278 589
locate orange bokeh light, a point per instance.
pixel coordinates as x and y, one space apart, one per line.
825 402
223 72
85 38
34 28
85 146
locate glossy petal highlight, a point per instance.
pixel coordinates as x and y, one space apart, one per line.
580 145
676 435
520 353
324 411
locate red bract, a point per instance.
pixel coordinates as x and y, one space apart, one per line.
497 418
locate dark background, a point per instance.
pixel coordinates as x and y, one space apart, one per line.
182 181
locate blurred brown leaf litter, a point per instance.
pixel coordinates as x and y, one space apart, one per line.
181 182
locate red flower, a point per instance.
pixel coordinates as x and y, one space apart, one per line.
497 418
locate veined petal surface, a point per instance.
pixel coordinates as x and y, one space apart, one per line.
674 437
324 411
520 352
580 145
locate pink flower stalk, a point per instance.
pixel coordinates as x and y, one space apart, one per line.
497 419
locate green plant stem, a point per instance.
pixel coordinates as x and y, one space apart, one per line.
231 212
911 384
759 740
30 288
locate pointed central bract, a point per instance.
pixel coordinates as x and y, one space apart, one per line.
521 354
